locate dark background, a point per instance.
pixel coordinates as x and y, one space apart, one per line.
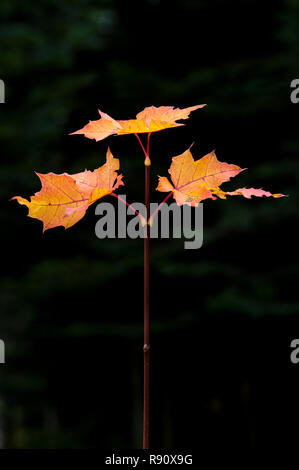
223 316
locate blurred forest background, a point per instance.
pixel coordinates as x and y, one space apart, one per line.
71 305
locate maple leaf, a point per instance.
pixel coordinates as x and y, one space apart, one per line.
64 199
192 180
151 119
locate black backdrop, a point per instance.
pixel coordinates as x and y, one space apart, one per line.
223 316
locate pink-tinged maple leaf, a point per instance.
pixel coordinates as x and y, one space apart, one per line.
194 181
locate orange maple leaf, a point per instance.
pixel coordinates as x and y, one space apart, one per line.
194 181
149 120
64 199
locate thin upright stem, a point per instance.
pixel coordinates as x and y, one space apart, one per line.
148 143
146 347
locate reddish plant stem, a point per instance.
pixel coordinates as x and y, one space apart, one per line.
146 347
143 222
141 144
148 143
150 222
